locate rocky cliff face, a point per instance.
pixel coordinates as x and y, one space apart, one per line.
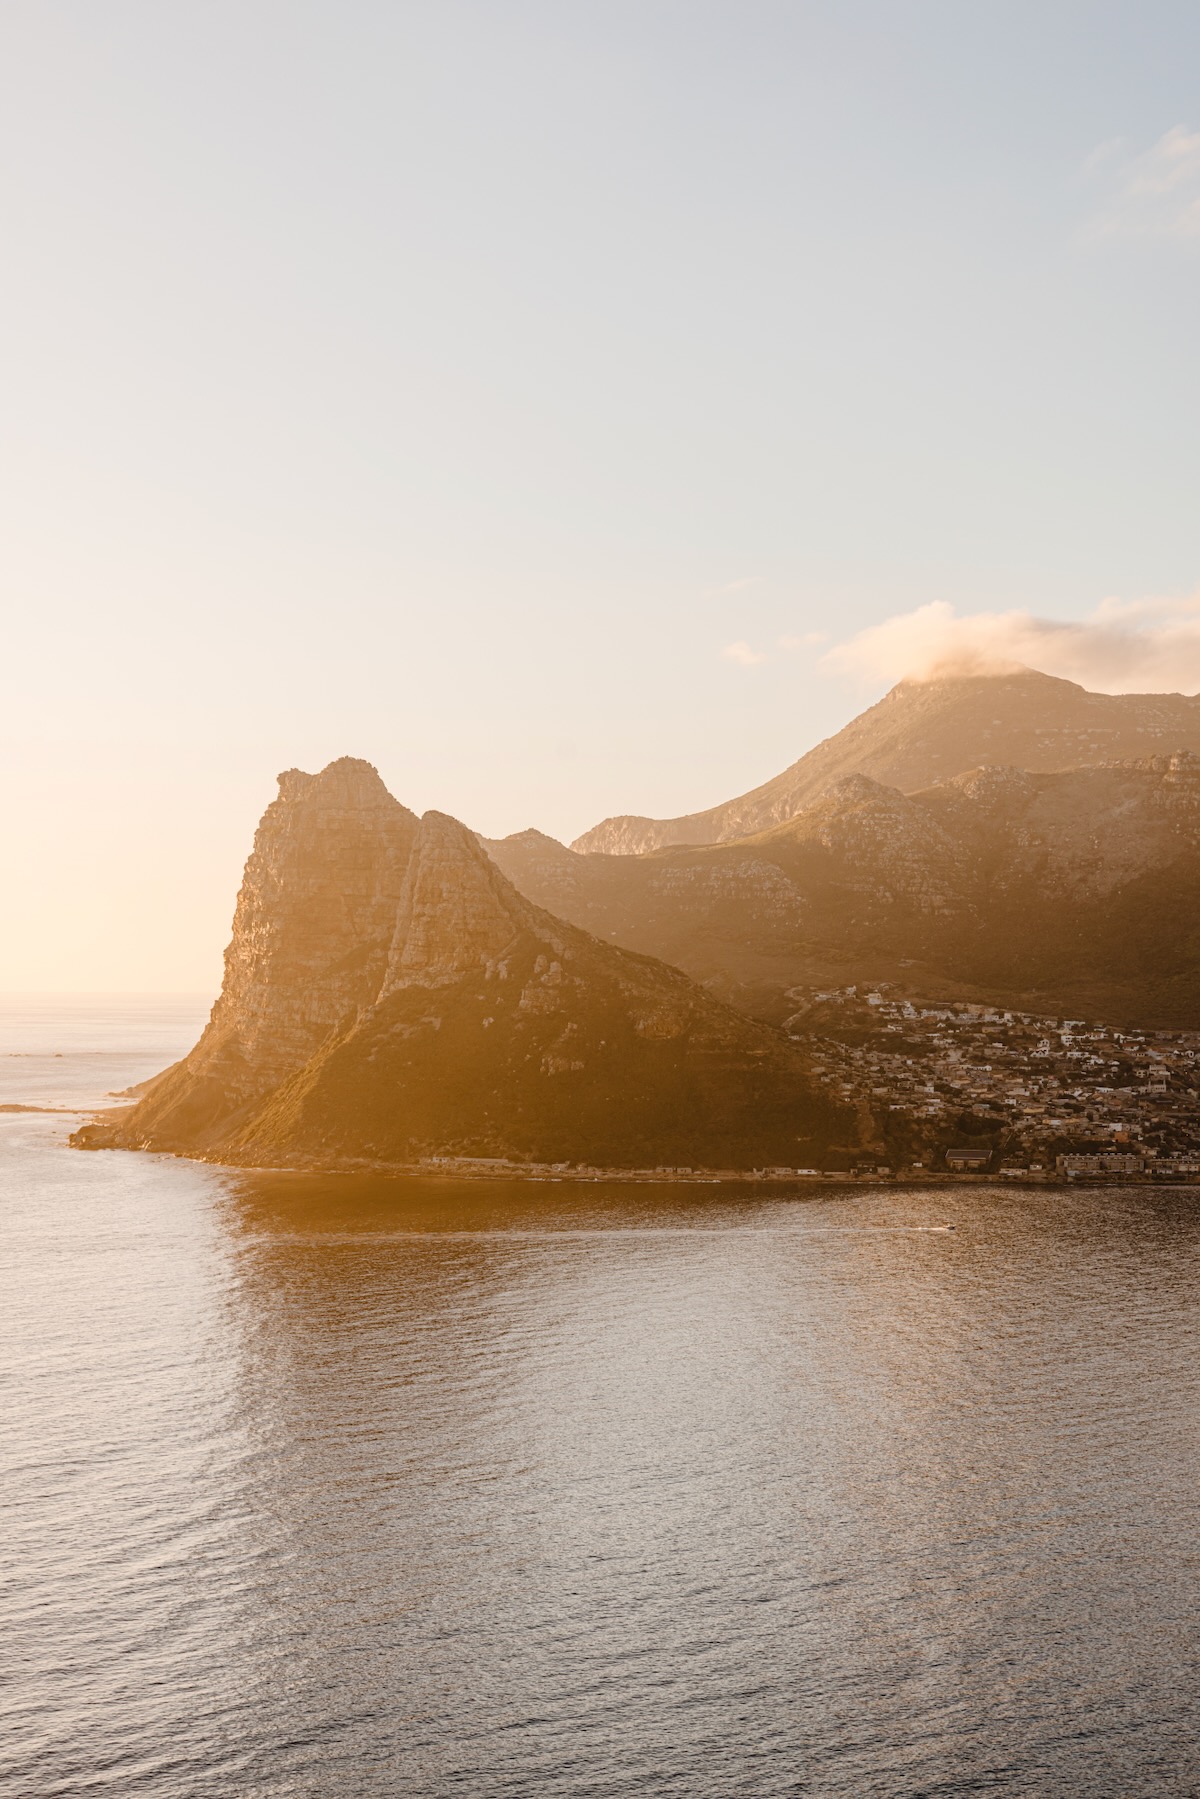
311 935
923 732
1076 836
874 843
456 911
389 995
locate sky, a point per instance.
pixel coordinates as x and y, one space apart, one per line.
573 408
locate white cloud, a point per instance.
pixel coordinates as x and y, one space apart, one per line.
740 652
1155 193
1136 646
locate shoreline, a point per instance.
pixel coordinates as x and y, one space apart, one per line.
485 1169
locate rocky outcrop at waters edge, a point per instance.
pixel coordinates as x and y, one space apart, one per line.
389 996
311 937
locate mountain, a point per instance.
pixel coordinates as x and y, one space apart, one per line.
1073 891
927 731
311 936
389 996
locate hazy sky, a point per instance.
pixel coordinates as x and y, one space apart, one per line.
528 396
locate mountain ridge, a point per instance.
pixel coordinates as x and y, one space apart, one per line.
922 732
1073 889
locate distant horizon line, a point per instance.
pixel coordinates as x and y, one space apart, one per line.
104 993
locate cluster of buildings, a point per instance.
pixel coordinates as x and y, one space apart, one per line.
980 1089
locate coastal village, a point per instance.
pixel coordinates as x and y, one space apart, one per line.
977 1089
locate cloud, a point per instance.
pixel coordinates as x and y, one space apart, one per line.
1136 646
741 653
1153 193
738 586
804 641
1104 154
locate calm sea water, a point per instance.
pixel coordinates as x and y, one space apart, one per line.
344 1488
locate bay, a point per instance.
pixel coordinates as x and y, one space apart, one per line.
355 1487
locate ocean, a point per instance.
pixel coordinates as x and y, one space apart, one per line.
351 1487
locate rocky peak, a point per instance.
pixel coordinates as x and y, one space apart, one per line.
347 782
535 841
857 790
857 813
456 910
311 933
315 913
535 862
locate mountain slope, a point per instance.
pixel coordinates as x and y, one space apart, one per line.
927 731
1073 890
389 995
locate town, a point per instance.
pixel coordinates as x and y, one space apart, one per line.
959 1088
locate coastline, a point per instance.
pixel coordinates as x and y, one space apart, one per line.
101 1136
